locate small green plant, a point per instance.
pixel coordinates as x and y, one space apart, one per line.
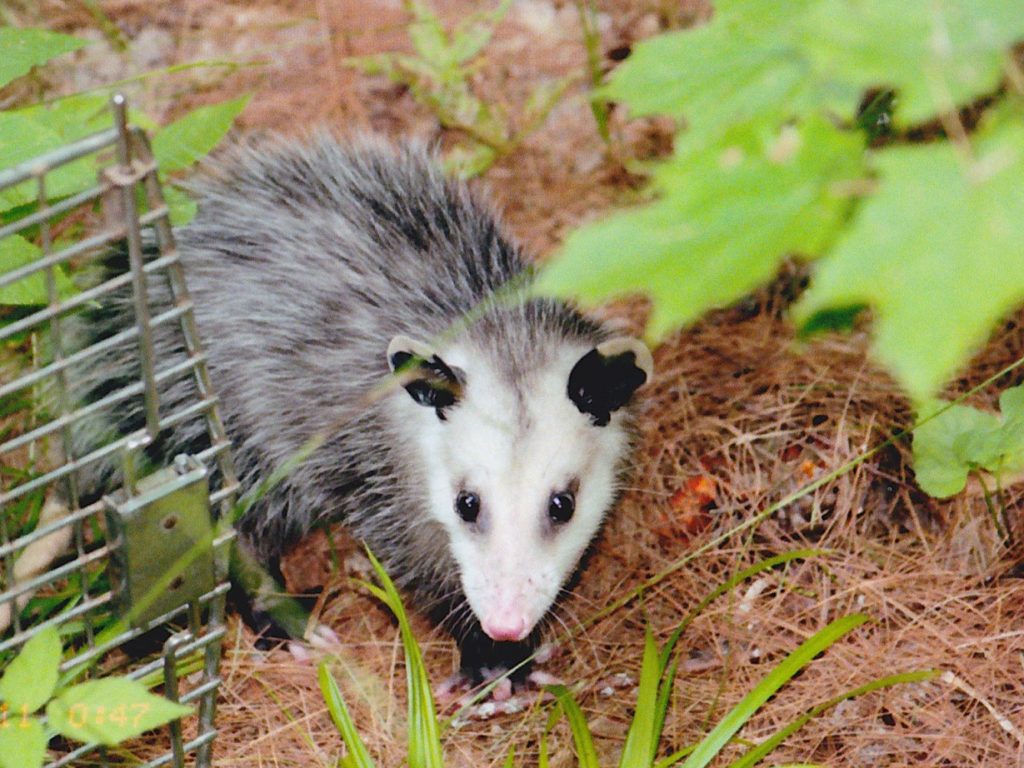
599 107
440 74
963 441
644 735
28 131
424 729
107 711
654 691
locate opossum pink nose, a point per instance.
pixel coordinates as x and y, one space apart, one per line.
506 626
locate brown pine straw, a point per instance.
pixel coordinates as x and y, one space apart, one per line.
938 584
736 399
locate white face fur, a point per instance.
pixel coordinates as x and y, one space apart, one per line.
521 484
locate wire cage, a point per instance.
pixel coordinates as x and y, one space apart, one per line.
138 568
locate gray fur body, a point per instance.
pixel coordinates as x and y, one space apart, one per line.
304 260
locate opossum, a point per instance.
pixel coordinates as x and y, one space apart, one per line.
319 269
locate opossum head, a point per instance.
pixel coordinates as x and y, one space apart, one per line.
521 466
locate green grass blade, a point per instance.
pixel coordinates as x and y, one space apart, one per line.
727 727
585 752
675 757
542 756
642 740
424 732
357 756
510 759
667 683
758 753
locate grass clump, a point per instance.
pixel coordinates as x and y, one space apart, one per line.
644 739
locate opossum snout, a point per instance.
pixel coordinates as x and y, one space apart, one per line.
508 623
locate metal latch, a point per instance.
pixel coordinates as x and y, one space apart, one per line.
163 541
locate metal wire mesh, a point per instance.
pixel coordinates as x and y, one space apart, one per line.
45 501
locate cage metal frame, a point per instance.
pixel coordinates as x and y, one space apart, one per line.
131 175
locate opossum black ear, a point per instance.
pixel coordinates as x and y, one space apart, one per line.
425 376
607 376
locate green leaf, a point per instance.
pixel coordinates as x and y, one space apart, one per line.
22 743
940 469
720 227
937 54
185 141
27 133
475 32
740 69
357 756
22 139
110 710
427 35
760 62
71 117
15 252
727 727
182 208
947 447
26 48
937 253
469 162
29 680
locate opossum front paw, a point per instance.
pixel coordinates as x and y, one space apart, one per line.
487 662
463 688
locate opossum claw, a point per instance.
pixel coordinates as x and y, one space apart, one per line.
451 688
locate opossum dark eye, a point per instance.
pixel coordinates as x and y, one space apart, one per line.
468 506
561 507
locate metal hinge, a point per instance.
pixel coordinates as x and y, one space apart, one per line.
162 534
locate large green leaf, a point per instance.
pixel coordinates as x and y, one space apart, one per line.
22 49
743 68
181 208
110 710
29 680
72 117
761 61
937 252
25 134
15 252
947 447
719 227
22 742
21 139
937 54
185 141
